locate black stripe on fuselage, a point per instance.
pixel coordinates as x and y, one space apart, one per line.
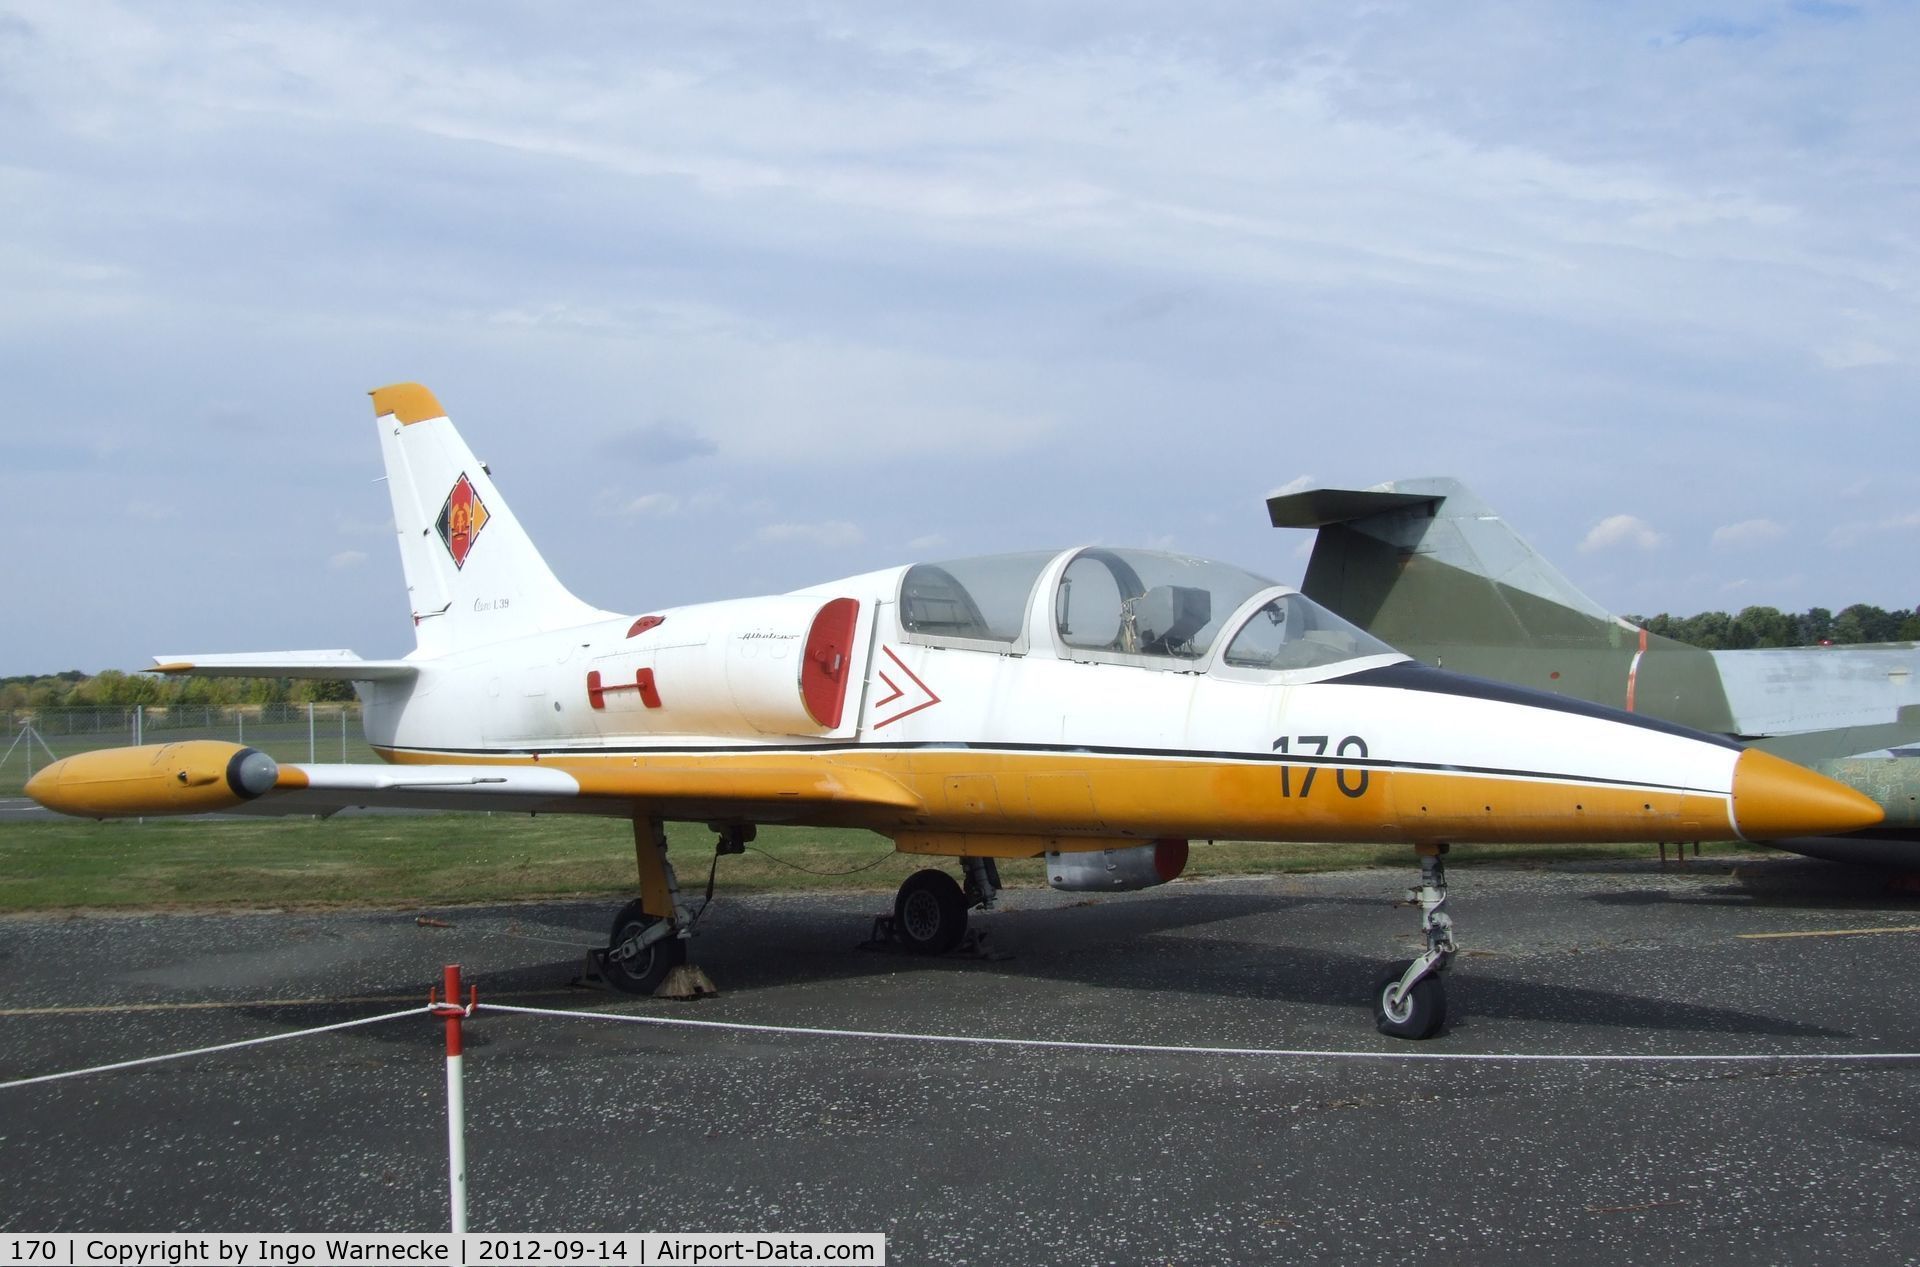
1334 762
1411 675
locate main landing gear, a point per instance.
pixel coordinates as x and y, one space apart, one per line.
649 937
930 910
642 949
1410 1001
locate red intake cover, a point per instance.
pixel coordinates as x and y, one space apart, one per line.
827 662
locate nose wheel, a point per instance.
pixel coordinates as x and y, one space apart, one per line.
1410 1001
1415 1013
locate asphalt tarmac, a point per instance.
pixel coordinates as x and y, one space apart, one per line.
993 1155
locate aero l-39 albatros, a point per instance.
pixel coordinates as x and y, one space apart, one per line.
1098 707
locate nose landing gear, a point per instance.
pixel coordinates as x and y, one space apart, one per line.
1410 1001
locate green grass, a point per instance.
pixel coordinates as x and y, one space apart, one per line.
396 860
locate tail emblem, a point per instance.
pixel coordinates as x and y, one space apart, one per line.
462 517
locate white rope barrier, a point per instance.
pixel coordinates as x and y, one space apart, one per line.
207 1051
452 1010
1172 1049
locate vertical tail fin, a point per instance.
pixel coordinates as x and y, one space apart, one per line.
473 574
1424 561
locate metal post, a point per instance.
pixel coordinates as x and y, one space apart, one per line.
240 720
452 1010
310 756
139 723
343 735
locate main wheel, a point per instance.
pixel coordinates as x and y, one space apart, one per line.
930 912
643 973
1420 1014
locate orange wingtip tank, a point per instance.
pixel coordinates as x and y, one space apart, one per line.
193 777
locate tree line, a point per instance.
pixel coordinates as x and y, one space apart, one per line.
114 689
1715 630
1771 627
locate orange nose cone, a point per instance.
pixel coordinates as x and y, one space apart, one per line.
45 784
1773 798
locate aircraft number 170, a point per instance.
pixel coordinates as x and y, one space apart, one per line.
1351 746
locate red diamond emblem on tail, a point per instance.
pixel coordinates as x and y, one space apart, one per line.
462 516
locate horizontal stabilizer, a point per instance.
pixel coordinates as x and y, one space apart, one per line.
1318 507
1847 741
325 666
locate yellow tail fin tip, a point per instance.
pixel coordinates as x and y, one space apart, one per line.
409 402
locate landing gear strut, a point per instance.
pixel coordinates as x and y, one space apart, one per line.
649 938
1410 1001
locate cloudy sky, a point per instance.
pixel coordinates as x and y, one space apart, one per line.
739 298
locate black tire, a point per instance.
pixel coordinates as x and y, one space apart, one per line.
1420 1014
930 913
644 973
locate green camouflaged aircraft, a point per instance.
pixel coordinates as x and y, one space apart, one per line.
1426 566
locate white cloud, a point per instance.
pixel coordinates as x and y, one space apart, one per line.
352 526
1847 535
1620 530
346 559
1748 532
1532 246
1853 354
932 541
650 506
832 534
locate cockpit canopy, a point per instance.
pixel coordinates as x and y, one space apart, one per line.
982 599
1133 606
1141 602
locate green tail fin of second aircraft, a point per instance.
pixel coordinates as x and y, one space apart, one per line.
1427 566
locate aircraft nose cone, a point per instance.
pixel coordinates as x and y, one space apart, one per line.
43 784
1773 798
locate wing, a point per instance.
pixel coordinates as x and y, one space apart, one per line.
202 776
329 666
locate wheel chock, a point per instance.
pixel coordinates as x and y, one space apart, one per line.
686 981
973 944
592 972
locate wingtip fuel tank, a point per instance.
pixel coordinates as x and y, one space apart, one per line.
193 777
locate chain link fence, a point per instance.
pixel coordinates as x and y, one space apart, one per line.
32 737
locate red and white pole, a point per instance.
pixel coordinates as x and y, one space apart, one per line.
452 1010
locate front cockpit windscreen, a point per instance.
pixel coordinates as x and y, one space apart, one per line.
1294 632
1145 603
981 599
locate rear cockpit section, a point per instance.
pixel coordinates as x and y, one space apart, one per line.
979 602
1137 607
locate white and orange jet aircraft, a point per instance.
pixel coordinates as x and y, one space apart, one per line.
1098 707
